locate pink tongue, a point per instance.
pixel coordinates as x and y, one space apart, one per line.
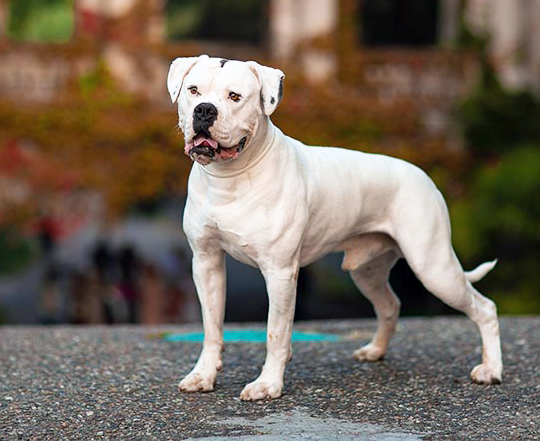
202 140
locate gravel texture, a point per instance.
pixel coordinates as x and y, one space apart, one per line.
120 382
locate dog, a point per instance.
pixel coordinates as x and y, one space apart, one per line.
274 203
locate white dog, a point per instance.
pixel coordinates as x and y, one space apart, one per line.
274 203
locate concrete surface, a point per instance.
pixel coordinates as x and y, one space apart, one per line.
120 383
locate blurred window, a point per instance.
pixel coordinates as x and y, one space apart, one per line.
218 20
40 20
398 22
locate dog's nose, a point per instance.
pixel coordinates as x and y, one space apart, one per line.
204 116
205 112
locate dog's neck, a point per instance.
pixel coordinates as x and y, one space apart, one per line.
256 150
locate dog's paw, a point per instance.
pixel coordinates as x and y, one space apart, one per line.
197 382
260 390
485 374
369 352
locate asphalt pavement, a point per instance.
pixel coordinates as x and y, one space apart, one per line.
100 382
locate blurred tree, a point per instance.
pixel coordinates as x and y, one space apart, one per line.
97 138
43 20
15 250
500 214
501 218
495 120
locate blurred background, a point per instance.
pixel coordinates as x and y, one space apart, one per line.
93 176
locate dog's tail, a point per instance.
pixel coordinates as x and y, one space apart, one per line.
480 271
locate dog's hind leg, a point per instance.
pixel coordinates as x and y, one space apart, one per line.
430 255
372 280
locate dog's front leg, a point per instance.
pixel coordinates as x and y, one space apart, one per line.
281 287
209 278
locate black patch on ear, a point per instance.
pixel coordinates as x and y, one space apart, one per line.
272 100
222 62
280 92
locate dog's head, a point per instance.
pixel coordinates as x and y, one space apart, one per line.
220 103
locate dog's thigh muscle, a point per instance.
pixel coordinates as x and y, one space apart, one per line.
364 248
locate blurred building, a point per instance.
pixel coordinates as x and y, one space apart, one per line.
512 28
391 50
406 62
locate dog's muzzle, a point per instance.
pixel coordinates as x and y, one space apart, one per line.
204 146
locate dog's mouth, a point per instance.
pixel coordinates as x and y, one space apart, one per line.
204 149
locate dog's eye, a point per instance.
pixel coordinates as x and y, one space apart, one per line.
193 90
234 96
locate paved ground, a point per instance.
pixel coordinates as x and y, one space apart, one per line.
119 382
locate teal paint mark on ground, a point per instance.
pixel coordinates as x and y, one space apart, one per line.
249 335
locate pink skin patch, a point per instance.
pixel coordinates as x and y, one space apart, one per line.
222 153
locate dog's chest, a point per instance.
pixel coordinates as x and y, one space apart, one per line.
240 234
251 226
240 250
240 226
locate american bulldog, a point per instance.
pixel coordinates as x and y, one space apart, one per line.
274 203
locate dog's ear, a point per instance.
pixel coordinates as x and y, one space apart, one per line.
271 86
178 71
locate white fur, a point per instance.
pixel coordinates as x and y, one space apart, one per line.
281 205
